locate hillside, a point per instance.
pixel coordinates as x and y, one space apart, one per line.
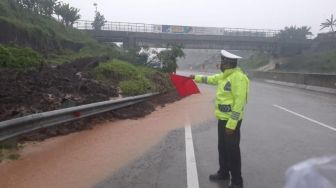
319 58
45 65
41 33
47 37
311 62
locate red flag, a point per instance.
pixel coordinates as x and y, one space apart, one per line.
184 86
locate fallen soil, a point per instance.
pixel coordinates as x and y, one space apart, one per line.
50 88
66 85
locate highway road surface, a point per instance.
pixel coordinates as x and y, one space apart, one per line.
282 126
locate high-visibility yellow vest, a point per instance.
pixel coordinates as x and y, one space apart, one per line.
231 96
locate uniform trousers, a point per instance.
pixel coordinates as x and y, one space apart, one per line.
229 152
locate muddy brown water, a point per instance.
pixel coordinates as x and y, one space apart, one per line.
85 158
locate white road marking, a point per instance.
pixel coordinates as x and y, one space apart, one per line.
307 118
192 176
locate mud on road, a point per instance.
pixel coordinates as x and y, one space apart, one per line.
86 158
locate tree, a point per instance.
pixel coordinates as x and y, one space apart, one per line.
47 7
28 4
73 15
69 14
99 21
329 23
58 10
291 40
294 33
42 7
169 57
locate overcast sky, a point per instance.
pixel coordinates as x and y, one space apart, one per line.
254 14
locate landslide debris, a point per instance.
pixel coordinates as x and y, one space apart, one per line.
51 88
131 112
70 84
36 75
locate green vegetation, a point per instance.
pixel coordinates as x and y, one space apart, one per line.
19 58
116 70
132 79
47 8
6 147
9 152
90 50
69 14
43 33
135 87
32 37
27 26
309 62
289 40
294 33
317 59
329 23
255 61
313 62
14 156
169 58
99 21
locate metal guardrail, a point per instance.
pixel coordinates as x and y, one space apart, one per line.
175 29
15 127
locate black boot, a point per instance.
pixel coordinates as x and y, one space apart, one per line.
218 176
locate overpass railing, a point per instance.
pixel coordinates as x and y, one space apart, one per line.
175 29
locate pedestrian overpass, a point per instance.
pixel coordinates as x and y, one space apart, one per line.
190 37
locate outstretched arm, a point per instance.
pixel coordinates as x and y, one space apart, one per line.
211 80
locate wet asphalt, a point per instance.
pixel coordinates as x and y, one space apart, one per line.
272 140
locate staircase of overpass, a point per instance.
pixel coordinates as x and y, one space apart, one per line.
190 37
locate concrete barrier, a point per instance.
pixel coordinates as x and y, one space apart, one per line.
327 81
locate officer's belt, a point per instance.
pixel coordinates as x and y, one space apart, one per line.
224 108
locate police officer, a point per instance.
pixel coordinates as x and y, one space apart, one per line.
231 97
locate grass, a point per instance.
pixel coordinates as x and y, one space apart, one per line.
255 61
132 79
6 147
49 38
115 70
14 156
19 58
135 87
313 62
8 152
43 40
39 25
309 62
52 42
90 50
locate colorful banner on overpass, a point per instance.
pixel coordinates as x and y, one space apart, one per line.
207 31
177 29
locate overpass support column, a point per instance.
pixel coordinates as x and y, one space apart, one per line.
129 43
